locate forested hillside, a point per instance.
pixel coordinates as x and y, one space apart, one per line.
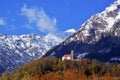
51 68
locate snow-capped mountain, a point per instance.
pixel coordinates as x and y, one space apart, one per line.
98 37
17 50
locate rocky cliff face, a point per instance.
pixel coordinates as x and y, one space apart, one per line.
98 37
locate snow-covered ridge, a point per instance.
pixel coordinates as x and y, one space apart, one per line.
113 6
71 30
101 23
51 37
16 50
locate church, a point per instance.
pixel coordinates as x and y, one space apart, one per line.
68 56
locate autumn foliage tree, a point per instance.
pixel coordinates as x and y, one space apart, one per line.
51 68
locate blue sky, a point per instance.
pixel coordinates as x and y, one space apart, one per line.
19 17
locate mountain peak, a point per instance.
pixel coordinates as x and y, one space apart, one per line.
98 38
71 30
113 6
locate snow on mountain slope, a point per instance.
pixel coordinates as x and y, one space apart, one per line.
71 30
66 33
99 36
17 50
54 38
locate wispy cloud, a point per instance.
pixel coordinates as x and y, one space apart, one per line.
2 22
40 18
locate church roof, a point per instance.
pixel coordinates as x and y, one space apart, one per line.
67 55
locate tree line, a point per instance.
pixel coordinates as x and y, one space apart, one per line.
51 68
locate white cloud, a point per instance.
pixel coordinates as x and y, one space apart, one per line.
2 22
39 18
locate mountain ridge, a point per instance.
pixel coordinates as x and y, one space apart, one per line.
98 36
17 50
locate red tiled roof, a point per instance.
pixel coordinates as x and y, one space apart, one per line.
66 55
